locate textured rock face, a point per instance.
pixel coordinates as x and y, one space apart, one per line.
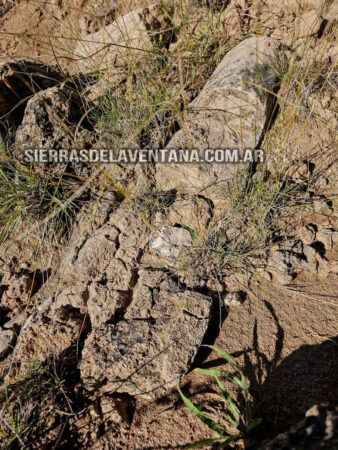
232 111
308 254
152 348
6 341
47 117
105 302
128 37
170 241
146 328
50 122
49 332
110 255
99 273
16 289
19 81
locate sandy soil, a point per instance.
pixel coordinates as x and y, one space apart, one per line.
41 29
286 336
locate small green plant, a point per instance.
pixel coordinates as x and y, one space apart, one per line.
242 421
15 424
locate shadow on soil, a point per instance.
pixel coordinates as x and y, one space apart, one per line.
283 390
305 378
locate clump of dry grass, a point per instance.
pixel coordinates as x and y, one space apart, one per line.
26 199
236 240
146 109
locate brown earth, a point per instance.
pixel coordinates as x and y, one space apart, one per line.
49 31
287 342
284 335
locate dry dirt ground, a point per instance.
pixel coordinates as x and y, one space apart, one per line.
285 339
284 335
41 30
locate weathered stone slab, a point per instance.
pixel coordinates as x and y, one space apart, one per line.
129 37
231 112
151 350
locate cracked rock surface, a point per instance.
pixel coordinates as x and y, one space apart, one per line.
145 327
152 348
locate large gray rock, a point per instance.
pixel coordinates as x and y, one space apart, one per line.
145 327
51 122
96 276
129 37
153 347
231 112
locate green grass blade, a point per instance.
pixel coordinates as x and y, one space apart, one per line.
221 440
202 417
211 372
254 423
232 421
228 440
240 382
233 408
224 355
204 442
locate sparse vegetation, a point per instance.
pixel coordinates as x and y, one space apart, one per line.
147 109
31 405
246 229
260 201
26 198
257 209
240 420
